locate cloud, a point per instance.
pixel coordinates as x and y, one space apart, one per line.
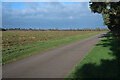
47 14
45 0
46 9
71 17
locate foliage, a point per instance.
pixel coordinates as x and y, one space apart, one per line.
111 14
2 29
18 29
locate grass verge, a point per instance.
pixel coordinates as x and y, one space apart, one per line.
17 53
101 62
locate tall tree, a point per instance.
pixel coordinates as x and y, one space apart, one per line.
111 14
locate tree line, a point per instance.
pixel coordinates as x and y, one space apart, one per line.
18 29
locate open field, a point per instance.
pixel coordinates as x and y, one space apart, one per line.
19 44
20 38
101 62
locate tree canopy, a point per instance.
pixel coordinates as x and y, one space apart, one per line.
111 14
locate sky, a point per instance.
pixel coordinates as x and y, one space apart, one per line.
49 15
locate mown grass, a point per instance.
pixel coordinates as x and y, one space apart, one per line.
101 62
14 53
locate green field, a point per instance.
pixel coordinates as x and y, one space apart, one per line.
101 62
20 44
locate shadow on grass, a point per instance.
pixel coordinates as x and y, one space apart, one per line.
107 68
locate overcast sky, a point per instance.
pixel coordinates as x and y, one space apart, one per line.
44 15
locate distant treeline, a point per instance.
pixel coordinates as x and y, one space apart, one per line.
18 29
2 29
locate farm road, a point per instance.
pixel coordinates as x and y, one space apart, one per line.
55 63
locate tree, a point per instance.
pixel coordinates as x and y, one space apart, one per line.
110 12
2 29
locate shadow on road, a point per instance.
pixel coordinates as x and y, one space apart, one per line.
102 35
107 68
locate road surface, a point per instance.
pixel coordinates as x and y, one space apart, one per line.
55 63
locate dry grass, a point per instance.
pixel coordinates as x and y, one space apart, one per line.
18 38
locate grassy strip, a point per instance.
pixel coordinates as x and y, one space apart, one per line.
28 50
101 61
